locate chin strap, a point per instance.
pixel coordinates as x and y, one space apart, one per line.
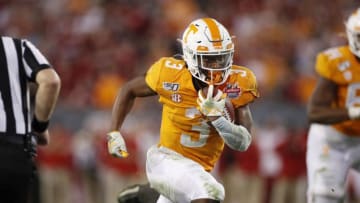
237 137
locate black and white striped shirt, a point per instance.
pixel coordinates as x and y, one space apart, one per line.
20 61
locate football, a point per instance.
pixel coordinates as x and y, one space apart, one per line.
229 110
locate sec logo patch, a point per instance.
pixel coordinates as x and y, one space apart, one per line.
176 98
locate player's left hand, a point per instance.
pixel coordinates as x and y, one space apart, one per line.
116 144
42 138
354 113
211 106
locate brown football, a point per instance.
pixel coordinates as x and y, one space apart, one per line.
229 111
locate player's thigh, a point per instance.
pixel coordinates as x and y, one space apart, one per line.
180 179
327 167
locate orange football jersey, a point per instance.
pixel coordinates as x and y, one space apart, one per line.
183 128
341 66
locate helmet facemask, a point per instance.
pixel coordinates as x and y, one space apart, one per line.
213 69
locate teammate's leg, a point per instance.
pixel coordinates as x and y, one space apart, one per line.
326 199
327 167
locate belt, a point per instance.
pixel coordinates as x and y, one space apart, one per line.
12 139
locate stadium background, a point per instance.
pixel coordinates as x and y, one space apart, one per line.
96 45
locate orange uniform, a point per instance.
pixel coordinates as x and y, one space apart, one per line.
183 128
343 68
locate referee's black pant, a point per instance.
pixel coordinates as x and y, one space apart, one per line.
16 172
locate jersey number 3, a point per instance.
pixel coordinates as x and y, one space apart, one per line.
203 128
353 95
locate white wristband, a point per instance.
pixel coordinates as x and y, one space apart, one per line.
354 113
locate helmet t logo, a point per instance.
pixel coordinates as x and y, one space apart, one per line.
193 29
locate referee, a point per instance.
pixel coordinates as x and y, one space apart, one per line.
21 64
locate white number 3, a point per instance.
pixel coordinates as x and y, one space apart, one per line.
353 95
203 128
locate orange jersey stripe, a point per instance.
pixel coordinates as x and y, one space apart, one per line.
214 31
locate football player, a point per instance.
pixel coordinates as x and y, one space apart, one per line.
334 112
193 129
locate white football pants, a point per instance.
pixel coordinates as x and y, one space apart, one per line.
330 155
179 179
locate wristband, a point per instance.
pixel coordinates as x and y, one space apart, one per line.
39 126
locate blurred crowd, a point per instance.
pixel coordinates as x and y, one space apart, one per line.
97 45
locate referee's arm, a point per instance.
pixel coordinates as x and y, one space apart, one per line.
46 97
47 93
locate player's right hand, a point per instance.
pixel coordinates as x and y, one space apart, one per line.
354 113
116 144
210 105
